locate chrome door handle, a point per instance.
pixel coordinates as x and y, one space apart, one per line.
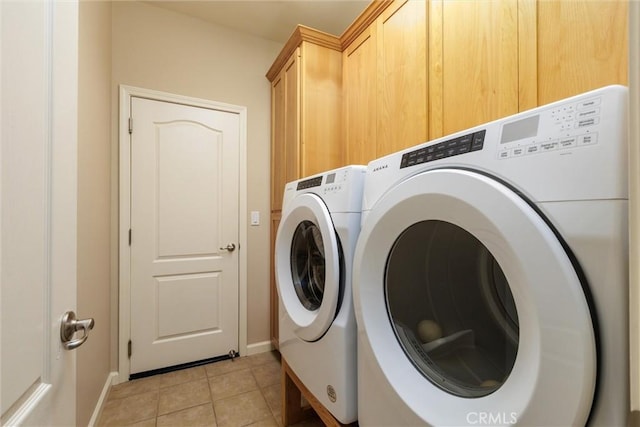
69 326
230 247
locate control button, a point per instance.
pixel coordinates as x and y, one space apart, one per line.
432 148
504 154
567 143
478 140
587 122
533 149
588 139
548 146
588 113
589 103
518 151
452 143
439 155
463 149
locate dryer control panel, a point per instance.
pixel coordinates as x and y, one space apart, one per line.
561 127
451 147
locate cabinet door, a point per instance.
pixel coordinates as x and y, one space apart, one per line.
285 131
402 76
582 45
320 96
474 66
291 75
278 172
359 85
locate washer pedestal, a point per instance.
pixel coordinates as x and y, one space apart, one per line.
292 411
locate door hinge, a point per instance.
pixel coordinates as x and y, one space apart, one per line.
130 125
129 237
129 349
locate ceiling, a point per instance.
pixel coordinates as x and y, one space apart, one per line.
271 19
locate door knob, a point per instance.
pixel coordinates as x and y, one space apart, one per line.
230 247
69 326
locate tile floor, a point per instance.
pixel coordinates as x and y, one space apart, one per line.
243 392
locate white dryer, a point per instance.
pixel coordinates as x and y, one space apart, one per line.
313 256
490 275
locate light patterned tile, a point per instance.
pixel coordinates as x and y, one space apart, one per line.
197 416
129 410
267 374
241 410
262 358
231 384
129 388
151 422
182 376
183 396
272 395
226 366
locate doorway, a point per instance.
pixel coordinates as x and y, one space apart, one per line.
182 230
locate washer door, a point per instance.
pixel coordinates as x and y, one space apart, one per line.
308 266
471 306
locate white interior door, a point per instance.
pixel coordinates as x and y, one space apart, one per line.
38 122
184 216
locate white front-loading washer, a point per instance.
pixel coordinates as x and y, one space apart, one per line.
314 249
491 273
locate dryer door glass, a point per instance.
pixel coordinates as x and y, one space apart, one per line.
308 265
451 308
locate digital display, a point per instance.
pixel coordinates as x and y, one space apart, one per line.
330 178
525 128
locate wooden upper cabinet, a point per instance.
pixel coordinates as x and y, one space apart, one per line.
359 98
473 63
581 45
278 176
291 140
321 108
402 76
306 114
385 81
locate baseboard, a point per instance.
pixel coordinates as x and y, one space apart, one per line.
103 397
259 347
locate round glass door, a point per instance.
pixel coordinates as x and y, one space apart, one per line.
308 264
451 308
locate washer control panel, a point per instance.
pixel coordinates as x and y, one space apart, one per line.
451 147
331 182
563 127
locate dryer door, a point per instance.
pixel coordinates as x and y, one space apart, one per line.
307 261
471 305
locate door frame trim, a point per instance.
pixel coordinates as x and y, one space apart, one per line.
124 215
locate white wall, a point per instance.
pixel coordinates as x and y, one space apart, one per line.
157 49
94 183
